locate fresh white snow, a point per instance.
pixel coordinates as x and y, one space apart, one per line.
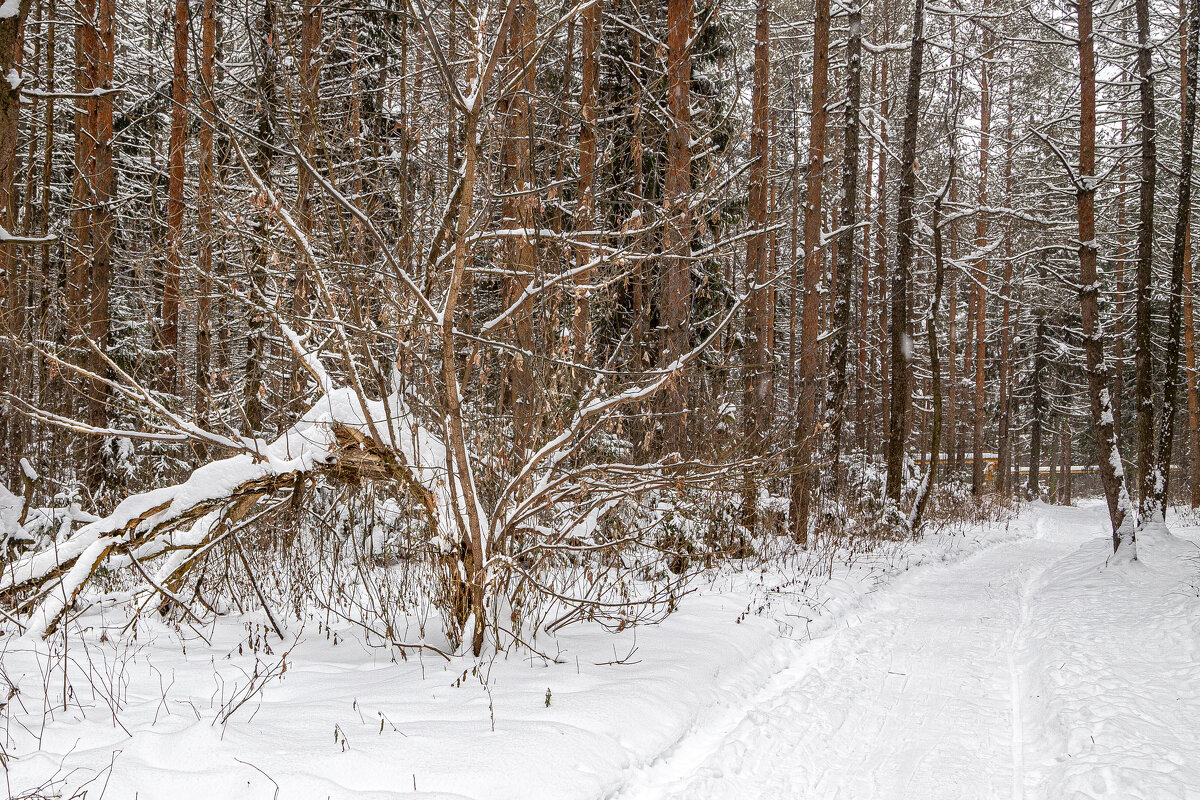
1010 661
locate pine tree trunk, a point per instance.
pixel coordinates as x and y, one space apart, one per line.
676 300
585 216
757 388
1166 435
840 350
1108 454
981 266
204 208
519 207
1144 356
902 345
168 337
1038 401
810 323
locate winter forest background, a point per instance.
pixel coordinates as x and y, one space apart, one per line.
501 316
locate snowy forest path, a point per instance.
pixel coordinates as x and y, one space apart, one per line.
942 688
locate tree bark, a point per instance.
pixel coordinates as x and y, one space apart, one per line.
1108 454
676 297
805 436
902 345
1162 468
168 339
981 266
519 212
756 357
1144 356
840 350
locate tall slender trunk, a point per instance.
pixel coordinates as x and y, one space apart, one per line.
1108 454
168 338
1189 323
951 423
881 256
204 207
757 387
585 217
1038 401
676 298
902 345
862 373
806 411
1004 417
935 364
1162 468
1144 356
840 350
981 265
519 209
254 389
310 109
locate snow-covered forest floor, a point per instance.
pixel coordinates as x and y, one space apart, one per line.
1007 660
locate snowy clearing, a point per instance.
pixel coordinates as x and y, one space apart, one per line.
1008 663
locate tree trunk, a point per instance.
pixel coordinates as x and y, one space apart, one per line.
519 209
168 339
1144 356
204 207
805 436
935 364
1162 468
676 298
585 217
1038 402
840 351
756 357
981 266
1108 454
902 345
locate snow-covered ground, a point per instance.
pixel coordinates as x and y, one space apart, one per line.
1004 662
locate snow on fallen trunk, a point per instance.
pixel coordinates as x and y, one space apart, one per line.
341 435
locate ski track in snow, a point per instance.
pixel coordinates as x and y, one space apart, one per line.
1028 670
